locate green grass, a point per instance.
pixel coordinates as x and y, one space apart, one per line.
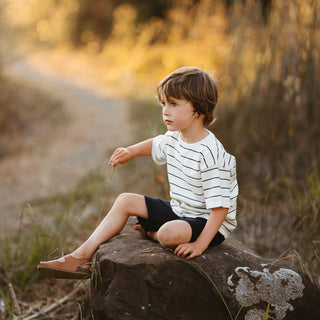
58 230
267 312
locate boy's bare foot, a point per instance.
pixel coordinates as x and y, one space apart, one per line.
138 228
150 234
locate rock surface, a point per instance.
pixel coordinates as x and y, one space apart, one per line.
136 278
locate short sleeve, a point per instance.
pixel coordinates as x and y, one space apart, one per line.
159 149
217 186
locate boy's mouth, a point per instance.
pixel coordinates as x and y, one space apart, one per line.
167 121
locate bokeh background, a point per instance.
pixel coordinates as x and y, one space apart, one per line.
265 55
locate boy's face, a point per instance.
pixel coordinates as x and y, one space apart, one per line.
178 114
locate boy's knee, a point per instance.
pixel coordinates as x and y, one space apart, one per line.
173 233
123 200
131 204
124 197
166 237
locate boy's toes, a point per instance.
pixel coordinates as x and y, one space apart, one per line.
138 228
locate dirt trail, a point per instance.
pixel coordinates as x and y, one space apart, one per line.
99 122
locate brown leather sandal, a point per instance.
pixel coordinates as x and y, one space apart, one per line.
66 267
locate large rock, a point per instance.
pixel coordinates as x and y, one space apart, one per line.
136 278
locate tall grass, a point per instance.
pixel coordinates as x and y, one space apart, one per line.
306 211
271 108
271 77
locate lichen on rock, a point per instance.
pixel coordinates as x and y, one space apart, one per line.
277 288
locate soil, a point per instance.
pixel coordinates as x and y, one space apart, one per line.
99 123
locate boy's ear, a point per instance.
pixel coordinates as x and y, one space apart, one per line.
199 115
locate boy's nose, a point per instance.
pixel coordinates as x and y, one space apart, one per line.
165 110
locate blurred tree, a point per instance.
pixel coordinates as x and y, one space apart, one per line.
96 16
265 6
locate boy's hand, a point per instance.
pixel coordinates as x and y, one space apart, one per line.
191 249
120 156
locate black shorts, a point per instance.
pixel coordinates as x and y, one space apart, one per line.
160 212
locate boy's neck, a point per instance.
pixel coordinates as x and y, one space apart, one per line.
195 135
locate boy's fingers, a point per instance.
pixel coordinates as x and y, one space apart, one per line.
182 250
186 250
192 255
116 157
178 248
120 155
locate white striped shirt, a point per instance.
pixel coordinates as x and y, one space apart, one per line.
202 176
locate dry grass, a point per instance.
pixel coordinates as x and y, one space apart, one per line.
271 107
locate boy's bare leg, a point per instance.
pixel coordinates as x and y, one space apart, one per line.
127 204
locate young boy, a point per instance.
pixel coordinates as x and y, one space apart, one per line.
201 174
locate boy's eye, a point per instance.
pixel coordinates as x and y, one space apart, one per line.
171 103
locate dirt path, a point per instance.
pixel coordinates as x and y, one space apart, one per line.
99 123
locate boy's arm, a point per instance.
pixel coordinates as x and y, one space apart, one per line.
193 249
124 155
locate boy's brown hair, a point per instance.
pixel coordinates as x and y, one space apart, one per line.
193 85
